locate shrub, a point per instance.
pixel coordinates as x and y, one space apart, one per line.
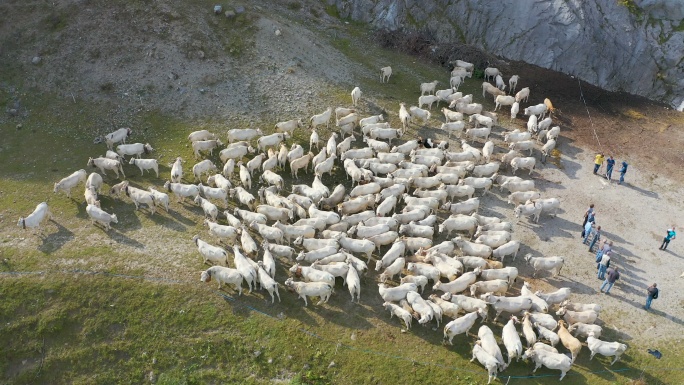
107 87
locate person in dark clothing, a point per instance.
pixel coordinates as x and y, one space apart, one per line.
587 214
652 294
610 163
611 276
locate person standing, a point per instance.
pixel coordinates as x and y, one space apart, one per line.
603 265
610 163
606 248
596 238
589 212
652 294
598 162
623 171
611 276
671 234
589 229
591 220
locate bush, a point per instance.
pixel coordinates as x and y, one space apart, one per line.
107 87
294 6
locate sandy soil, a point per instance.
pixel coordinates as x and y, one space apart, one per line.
634 215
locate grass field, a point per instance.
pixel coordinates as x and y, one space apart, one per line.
128 306
100 328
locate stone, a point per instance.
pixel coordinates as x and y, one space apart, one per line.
36 60
218 9
505 29
230 14
239 9
663 9
12 112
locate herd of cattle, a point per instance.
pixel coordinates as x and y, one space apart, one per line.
395 203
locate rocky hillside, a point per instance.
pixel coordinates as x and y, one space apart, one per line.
177 57
635 46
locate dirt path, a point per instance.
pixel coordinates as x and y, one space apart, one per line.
634 215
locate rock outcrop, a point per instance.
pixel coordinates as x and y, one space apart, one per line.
635 46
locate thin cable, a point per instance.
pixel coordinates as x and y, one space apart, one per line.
579 83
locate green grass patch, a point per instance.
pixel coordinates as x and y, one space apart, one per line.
332 11
294 5
633 8
679 27
411 20
407 74
66 325
56 21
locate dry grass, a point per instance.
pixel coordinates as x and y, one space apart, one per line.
633 114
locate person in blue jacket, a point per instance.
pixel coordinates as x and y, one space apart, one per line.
623 171
671 234
610 164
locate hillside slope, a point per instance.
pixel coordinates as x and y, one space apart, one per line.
176 57
81 305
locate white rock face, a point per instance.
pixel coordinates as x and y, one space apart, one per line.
606 44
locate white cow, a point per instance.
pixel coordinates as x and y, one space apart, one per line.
461 325
34 219
487 360
117 136
549 359
96 214
71 181
553 264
